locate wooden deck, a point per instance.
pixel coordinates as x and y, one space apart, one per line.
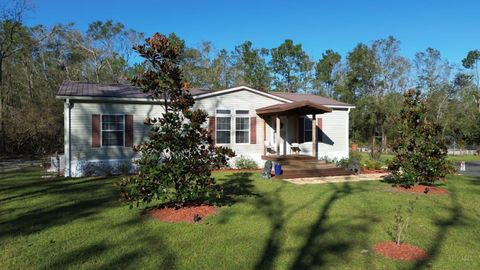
302 166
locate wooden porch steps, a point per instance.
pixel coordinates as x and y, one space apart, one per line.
299 166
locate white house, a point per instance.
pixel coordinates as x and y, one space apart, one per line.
104 121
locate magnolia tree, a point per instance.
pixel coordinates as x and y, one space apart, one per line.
421 148
176 161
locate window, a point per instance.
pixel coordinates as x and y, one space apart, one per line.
307 131
242 129
223 126
112 130
227 121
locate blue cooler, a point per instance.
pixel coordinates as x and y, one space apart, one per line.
278 169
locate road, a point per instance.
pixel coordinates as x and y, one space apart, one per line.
472 168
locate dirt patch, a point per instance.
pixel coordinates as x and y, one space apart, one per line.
422 189
403 252
183 214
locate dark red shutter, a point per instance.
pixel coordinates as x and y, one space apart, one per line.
211 127
95 130
253 130
319 130
301 130
128 130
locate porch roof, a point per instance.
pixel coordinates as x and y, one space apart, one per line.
298 107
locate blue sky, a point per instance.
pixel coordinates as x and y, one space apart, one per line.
452 27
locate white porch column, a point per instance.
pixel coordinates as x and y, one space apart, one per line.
277 135
314 135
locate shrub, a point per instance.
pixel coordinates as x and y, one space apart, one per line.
243 162
398 230
371 164
421 149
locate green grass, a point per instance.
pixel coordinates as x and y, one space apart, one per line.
80 224
388 157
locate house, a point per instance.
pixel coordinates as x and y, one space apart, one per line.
104 121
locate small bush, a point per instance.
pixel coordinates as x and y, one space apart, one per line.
89 169
373 164
398 230
245 163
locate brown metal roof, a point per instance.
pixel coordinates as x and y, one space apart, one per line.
298 107
104 90
313 98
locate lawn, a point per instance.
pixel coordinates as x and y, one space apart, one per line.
456 159
80 224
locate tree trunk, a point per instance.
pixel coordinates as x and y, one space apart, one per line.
384 140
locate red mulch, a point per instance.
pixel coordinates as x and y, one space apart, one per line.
403 252
421 189
237 170
373 171
183 214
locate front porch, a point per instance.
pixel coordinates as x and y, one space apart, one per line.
291 138
304 166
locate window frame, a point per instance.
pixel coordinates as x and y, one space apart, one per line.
223 115
233 115
305 130
247 130
101 130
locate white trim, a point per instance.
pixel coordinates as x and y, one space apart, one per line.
239 88
340 106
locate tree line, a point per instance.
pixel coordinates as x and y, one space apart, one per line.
34 60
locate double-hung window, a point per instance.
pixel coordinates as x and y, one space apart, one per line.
223 126
242 126
232 123
113 130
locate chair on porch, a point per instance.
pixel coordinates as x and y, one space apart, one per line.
269 147
295 147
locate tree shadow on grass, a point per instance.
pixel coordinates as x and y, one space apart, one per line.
236 187
311 253
60 203
455 218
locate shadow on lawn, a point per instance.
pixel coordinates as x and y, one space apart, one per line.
317 246
236 187
456 218
59 202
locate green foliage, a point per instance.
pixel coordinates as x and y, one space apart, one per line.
252 66
398 230
291 65
421 149
372 164
176 162
243 162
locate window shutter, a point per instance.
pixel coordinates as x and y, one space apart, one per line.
128 130
253 130
211 127
301 130
319 130
95 130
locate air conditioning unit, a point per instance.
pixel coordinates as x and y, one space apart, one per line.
57 162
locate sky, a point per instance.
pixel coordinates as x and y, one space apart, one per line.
452 27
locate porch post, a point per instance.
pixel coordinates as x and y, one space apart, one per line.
264 136
314 135
277 135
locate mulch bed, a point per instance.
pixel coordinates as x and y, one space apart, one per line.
403 252
422 189
366 171
183 214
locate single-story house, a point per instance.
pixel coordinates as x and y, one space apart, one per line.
104 121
